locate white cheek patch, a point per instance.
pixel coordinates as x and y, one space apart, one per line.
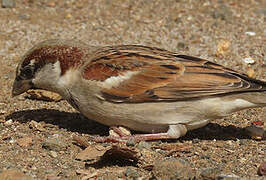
47 76
68 78
117 80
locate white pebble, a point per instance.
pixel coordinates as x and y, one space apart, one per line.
2 112
9 122
249 60
250 33
53 154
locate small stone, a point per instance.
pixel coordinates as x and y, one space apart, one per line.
222 47
53 154
262 169
250 33
8 3
195 141
248 60
131 142
131 173
36 126
9 122
25 142
172 169
144 145
227 177
251 73
51 4
12 174
83 171
181 45
54 144
243 141
91 153
24 16
12 141
210 173
223 13
68 16
2 111
1 127
43 95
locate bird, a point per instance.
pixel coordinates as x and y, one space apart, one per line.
159 93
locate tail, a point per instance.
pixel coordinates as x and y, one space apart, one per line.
256 93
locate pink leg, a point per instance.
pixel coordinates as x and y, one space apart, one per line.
174 132
120 131
135 138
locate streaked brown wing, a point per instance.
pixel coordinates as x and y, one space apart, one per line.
162 76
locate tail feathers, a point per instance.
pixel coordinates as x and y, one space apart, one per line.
255 85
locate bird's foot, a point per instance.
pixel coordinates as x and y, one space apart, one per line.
123 135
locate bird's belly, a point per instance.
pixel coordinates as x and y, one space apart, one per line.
145 117
156 117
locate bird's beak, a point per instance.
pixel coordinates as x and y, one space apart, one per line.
20 86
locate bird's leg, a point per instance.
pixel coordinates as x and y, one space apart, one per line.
119 131
174 132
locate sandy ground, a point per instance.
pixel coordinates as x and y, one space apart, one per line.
225 32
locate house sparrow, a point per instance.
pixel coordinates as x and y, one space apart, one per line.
147 89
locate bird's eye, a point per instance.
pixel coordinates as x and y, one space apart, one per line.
27 73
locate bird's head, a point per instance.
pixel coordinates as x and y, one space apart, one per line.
43 65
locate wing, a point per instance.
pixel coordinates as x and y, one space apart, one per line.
143 74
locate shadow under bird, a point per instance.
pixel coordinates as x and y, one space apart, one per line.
147 89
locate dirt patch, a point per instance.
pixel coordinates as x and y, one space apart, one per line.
37 136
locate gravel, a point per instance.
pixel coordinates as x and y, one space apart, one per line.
227 32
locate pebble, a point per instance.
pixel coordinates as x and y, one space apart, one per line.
244 141
195 141
1 127
51 4
25 142
24 16
172 168
143 145
53 154
36 126
91 153
209 173
43 95
8 3
181 45
222 47
9 122
54 144
223 13
251 73
131 173
227 177
131 142
2 112
248 60
250 33
68 16
262 169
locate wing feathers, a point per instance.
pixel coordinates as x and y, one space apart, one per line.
162 75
